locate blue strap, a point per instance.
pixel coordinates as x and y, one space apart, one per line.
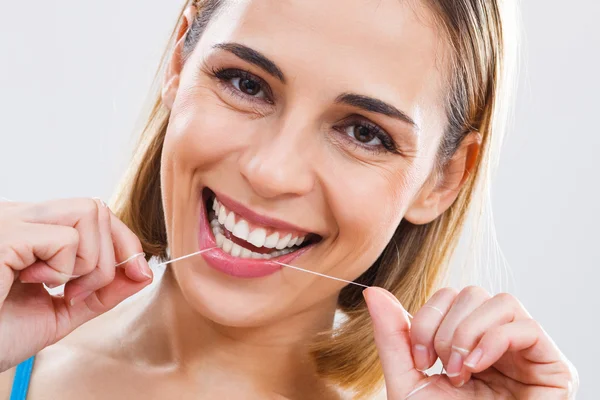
21 381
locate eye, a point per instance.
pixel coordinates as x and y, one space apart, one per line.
367 135
248 86
363 134
244 84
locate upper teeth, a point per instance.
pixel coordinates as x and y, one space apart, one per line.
256 236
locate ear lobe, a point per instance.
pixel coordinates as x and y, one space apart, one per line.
441 190
171 78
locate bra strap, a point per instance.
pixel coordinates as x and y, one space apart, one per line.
21 381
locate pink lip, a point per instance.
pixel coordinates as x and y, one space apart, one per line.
235 266
256 218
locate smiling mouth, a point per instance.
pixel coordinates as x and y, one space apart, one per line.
241 237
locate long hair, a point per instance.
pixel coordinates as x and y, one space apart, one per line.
415 262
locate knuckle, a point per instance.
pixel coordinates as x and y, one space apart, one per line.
462 335
509 299
90 209
445 293
107 274
72 237
474 292
441 345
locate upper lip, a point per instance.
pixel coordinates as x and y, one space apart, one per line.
255 217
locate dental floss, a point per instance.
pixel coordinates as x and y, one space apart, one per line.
319 274
276 262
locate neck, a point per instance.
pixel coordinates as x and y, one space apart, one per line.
273 357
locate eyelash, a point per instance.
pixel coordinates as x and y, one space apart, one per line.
225 75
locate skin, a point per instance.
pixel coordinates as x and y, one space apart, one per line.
288 155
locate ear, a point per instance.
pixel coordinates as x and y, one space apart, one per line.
441 190
170 83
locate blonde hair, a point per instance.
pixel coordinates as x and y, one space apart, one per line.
415 262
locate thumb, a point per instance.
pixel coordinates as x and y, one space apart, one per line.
391 328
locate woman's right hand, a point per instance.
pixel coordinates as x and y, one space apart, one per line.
74 241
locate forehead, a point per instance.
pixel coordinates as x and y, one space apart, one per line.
389 49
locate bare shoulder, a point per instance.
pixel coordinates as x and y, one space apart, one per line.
63 371
6 379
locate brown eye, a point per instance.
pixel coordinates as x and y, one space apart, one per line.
363 134
248 86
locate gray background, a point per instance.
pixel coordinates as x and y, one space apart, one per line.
74 76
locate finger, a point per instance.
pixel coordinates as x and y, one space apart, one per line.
81 214
499 310
126 244
469 299
7 278
526 336
104 299
104 273
41 253
391 328
425 325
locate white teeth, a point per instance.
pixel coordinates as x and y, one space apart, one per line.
272 240
230 222
236 250
220 239
222 215
300 240
227 245
255 255
214 223
257 237
283 242
292 242
246 253
276 253
215 205
241 230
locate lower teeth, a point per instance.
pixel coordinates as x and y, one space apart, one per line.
235 249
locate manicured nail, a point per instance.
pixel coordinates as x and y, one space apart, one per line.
144 267
421 356
101 201
80 297
454 364
473 358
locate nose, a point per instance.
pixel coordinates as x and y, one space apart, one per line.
279 164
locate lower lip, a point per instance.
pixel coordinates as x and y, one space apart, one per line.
236 266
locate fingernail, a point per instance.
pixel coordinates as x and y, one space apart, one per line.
144 267
473 358
101 201
80 297
421 355
454 364
459 384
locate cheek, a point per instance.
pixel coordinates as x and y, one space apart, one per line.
202 130
368 213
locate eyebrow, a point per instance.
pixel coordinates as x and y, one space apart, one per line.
253 57
376 106
363 102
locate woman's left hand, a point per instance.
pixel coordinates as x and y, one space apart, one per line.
490 347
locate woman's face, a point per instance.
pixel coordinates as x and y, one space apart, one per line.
304 119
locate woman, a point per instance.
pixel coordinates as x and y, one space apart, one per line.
344 137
